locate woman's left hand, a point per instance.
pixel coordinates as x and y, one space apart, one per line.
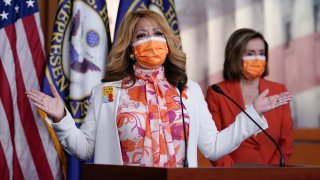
263 103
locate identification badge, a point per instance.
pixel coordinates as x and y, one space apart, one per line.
107 94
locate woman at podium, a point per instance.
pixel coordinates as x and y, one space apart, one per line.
146 112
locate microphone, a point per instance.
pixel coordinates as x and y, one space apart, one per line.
185 163
217 89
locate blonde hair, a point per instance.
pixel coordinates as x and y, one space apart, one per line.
120 65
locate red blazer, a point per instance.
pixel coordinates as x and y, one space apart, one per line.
257 149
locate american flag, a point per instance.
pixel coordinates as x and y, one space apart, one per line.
26 147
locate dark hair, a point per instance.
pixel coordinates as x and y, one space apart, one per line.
120 65
236 45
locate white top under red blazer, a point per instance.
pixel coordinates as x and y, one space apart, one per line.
98 134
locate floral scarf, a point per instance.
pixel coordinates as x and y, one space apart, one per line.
149 121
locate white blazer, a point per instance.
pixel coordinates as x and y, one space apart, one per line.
98 134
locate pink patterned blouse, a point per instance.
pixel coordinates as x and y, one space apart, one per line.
149 121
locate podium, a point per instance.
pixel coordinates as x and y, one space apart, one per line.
94 171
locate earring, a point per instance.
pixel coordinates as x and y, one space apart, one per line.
132 56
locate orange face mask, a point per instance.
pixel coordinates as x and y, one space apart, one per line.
150 52
253 66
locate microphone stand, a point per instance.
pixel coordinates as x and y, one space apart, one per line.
218 90
185 163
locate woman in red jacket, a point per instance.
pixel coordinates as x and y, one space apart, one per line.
245 66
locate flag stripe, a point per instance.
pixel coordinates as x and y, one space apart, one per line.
26 58
4 170
5 130
6 98
25 111
6 146
30 27
38 24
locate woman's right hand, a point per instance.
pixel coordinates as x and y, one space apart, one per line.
54 107
263 103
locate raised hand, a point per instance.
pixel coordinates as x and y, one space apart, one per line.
54 107
263 104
